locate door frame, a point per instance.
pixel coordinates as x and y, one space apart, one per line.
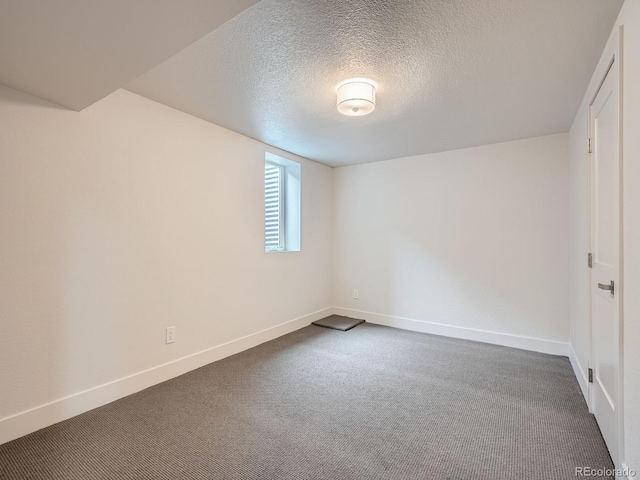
615 56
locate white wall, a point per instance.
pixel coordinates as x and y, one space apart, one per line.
124 219
473 239
630 19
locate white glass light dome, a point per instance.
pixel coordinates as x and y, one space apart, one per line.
356 96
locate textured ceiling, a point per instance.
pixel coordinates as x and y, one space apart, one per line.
75 52
451 73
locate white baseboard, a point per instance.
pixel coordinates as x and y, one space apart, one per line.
28 421
508 340
580 374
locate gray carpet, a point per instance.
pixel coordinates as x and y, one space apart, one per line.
378 403
338 322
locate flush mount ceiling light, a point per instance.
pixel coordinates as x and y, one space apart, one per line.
356 96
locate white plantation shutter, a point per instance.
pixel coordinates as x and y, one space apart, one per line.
273 207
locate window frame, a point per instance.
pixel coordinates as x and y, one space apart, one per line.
290 201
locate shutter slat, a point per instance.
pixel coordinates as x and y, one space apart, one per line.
272 207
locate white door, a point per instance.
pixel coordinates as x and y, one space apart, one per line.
605 247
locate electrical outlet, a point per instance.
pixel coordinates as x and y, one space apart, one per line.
171 335
356 295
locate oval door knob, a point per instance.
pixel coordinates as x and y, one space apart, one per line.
604 286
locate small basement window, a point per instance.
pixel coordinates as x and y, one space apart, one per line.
281 204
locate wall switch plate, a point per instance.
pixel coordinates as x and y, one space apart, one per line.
171 335
356 295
